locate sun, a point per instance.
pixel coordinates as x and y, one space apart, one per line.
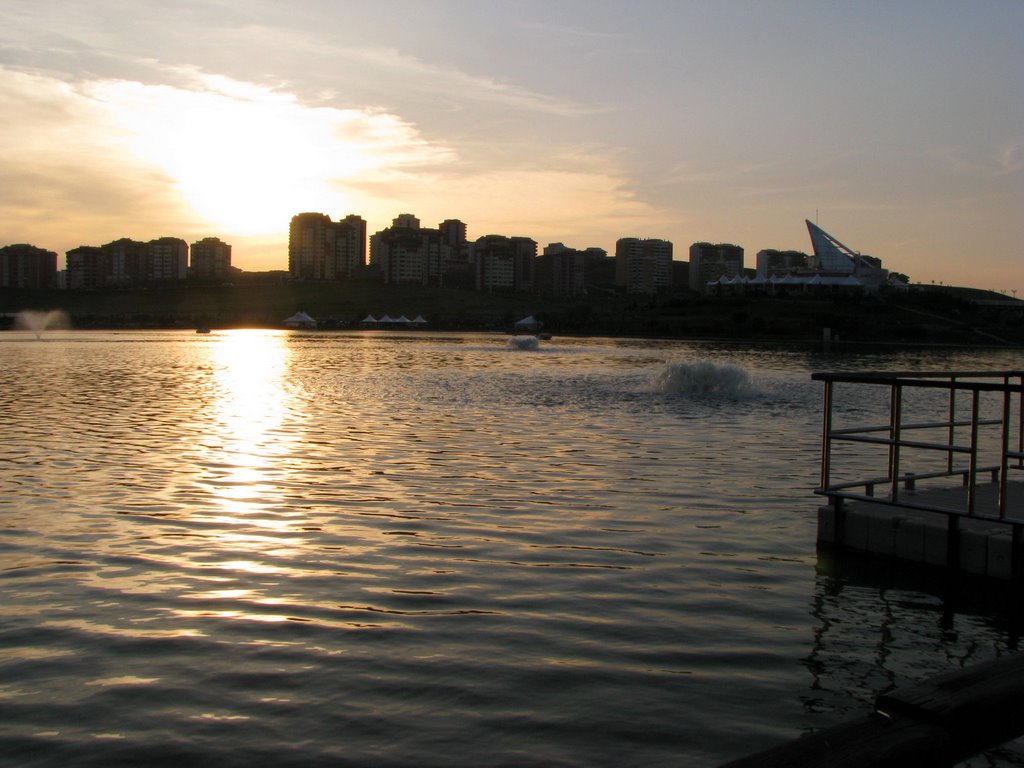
246 158
248 172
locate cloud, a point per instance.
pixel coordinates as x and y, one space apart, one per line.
1004 159
63 165
447 82
92 160
381 73
236 156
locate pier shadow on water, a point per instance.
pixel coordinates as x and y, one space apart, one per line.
882 625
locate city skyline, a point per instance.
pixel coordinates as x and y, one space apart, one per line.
896 128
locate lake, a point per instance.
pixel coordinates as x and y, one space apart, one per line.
372 549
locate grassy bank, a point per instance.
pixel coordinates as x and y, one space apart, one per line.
931 317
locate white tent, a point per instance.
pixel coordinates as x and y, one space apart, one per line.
300 320
386 319
420 320
403 320
529 323
369 319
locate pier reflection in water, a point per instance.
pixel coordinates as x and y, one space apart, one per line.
881 625
349 549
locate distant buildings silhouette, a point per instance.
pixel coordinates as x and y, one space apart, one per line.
321 249
25 266
710 263
643 266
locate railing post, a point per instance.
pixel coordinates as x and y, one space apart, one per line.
895 422
1004 446
826 437
951 441
972 469
1020 423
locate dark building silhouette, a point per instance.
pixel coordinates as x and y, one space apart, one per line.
710 262
643 265
504 263
453 241
599 268
561 271
165 260
210 259
405 252
127 263
87 268
26 266
456 255
321 249
776 263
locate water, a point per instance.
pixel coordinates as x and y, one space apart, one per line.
254 548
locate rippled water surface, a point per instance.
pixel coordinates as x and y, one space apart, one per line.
256 547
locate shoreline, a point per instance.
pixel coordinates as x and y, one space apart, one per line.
840 322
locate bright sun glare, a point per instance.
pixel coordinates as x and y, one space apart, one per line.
247 158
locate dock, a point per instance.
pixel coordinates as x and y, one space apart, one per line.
923 467
938 481
980 544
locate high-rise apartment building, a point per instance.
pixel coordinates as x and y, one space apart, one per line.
504 263
776 263
405 252
86 268
166 260
453 234
349 247
456 255
709 262
643 265
561 271
321 249
26 266
125 263
210 259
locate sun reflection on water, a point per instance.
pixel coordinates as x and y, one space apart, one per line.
250 368
251 435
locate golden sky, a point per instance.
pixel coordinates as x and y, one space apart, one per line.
899 127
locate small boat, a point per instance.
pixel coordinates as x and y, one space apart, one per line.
202 330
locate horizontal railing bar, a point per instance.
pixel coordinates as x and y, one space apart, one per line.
902 503
902 443
875 376
916 425
967 386
947 473
905 477
854 484
988 374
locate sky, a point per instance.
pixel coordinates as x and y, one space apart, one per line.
897 126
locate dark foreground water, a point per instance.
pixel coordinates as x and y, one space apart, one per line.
262 548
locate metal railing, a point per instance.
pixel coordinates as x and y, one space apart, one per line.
984 435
